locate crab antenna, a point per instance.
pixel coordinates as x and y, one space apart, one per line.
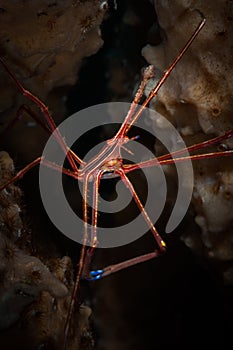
166 74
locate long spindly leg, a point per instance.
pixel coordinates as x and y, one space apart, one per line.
155 161
97 274
130 119
39 160
86 254
199 146
26 109
160 242
147 75
48 118
94 239
128 124
19 114
81 263
155 90
162 159
21 173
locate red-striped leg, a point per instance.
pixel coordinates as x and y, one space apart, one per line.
94 239
47 116
19 115
155 161
97 274
160 242
81 263
127 124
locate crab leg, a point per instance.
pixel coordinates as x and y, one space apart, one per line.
147 75
198 146
97 274
148 163
18 117
126 126
96 184
47 116
81 260
160 242
32 114
39 160
94 240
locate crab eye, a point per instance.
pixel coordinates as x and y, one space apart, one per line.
104 5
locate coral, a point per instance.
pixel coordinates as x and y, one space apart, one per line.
23 277
34 296
61 34
197 99
11 224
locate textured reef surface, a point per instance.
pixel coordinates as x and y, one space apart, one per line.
197 99
180 298
34 291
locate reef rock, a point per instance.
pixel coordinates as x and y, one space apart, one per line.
34 294
197 99
44 42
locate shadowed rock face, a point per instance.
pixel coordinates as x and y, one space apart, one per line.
44 43
197 99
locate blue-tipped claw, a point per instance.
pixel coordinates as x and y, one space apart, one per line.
96 272
95 275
